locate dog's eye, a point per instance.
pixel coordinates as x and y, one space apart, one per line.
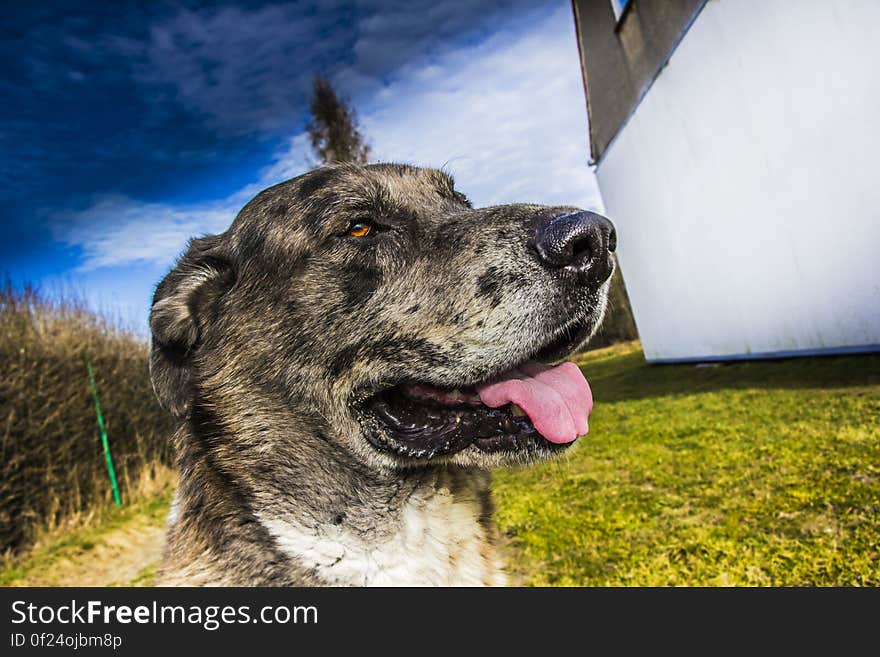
360 229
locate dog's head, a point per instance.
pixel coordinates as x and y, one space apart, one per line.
372 310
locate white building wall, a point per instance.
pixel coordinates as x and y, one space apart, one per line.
746 186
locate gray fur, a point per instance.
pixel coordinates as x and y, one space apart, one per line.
262 334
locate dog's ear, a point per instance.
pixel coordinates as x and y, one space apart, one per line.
181 312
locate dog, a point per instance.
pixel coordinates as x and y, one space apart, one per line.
347 363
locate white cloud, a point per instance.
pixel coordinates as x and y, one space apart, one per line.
116 230
506 116
246 70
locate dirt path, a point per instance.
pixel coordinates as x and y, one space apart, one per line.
124 553
125 557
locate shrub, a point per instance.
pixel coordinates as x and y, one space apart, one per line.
50 452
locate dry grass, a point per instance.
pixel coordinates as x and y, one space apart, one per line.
51 460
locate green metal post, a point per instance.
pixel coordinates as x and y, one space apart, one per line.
104 441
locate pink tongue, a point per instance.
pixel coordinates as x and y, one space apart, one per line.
557 399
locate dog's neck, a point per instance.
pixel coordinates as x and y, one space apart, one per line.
349 526
427 528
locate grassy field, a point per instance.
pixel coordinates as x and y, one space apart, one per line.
120 547
764 473
761 473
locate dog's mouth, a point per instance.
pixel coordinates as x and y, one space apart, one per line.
531 408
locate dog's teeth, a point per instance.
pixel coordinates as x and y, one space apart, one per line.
456 394
516 410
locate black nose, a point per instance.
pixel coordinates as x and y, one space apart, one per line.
581 242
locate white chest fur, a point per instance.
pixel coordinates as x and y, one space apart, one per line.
436 540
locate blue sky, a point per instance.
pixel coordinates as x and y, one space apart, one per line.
128 127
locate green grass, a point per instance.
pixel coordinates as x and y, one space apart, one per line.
759 473
65 558
144 577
